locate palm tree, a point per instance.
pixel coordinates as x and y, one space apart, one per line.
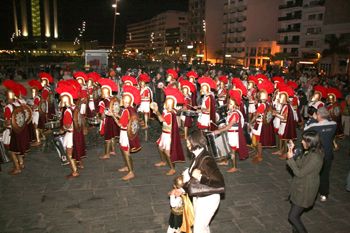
338 46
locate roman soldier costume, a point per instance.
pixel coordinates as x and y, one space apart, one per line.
207 116
287 127
108 106
93 95
81 78
316 99
222 91
36 87
129 80
129 140
234 128
169 143
70 120
187 89
146 97
252 91
334 108
261 125
14 117
192 76
172 76
47 96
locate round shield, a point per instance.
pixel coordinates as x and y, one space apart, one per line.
18 119
114 105
133 126
42 106
28 113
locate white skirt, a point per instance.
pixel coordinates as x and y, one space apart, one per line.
91 105
251 108
164 142
68 140
144 107
233 140
282 128
35 118
276 123
124 140
82 109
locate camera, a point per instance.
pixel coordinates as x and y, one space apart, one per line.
297 152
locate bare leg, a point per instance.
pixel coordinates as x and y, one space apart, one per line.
234 163
172 170
162 163
16 168
73 164
107 150
130 166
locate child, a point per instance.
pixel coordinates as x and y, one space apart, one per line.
176 203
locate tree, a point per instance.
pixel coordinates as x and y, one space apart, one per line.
338 46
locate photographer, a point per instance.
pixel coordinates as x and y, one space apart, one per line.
306 167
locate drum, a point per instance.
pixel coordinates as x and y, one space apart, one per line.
58 142
53 125
94 121
190 113
218 145
3 153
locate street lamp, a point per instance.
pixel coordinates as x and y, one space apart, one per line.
115 6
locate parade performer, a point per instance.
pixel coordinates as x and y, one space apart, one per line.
287 127
28 130
169 143
47 95
71 125
81 78
316 99
207 116
36 87
92 92
187 89
172 76
108 128
14 121
222 91
252 82
146 97
128 123
261 124
192 77
239 85
334 108
129 80
234 128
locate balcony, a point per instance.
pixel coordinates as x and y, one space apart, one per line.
315 4
241 18
240 39
285 30
291 4
241 8
288 42
289 17
241 29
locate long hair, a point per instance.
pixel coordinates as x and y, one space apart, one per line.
197 140
313 141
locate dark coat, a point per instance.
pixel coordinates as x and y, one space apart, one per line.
306 180
211 174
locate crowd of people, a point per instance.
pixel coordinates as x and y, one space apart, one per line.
248 113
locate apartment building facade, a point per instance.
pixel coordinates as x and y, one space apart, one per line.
163 33
249 25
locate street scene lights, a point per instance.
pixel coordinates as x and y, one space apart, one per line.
115 6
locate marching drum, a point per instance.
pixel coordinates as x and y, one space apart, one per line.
94 121
190 113
58 142
3 154
218 145
52 125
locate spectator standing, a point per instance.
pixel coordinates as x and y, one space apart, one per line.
326 130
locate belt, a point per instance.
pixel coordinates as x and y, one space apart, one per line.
206 113
124 129
232 131
166 132
145 101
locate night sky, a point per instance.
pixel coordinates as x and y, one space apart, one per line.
98 15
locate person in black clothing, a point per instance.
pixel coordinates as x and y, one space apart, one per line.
326 130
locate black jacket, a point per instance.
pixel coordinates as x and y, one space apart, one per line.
211 174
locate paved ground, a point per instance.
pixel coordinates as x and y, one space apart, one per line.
42 200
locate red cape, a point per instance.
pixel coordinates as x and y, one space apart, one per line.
176 152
